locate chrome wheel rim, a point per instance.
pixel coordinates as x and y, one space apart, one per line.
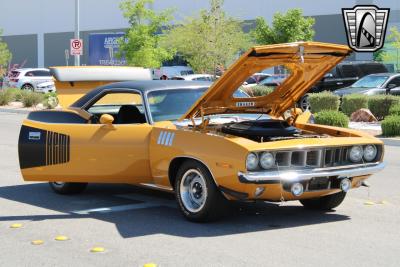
28 87
304 103
193 190
58 184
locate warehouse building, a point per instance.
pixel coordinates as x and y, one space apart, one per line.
38 32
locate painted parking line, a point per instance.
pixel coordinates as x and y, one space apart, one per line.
147 202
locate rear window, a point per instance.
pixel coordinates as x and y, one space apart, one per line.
372 68
349 71
14 74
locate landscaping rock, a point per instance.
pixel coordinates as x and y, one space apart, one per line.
363 115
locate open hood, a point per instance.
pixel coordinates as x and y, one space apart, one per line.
307 63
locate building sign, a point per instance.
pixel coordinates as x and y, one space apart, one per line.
76 47
103 48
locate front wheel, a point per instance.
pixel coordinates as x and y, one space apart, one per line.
198 197
67 188
324 203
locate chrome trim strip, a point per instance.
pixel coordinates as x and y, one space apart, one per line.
166 141
301 175
160 137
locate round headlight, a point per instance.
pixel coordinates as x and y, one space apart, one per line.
370 152
356 153
251 162
267 160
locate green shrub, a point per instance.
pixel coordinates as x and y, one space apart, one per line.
391 126
5 97
30 99
332 118
381 104
50 100
395 110
16 94
353 102
259 90
323 101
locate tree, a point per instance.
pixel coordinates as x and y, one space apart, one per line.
5 54
209 40
140 45
286 28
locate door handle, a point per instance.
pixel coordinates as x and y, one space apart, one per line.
339 83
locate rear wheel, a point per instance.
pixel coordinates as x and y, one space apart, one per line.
304 103
27 87
198 197
324 203
68 188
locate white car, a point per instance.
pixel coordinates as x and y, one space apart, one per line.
28 78
46 87
195 77
171 71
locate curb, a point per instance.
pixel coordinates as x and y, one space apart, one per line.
15 111
391 141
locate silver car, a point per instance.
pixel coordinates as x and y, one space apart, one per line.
28 78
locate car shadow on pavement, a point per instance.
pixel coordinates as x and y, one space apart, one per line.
157 219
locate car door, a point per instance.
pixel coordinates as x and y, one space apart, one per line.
41 76
96 152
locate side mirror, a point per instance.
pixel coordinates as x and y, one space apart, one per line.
391 86
106 119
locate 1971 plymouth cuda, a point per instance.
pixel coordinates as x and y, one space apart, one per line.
205 143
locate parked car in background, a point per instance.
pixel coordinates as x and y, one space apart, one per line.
374 84
195 77
255 79
345 74
273 80
46 87
172 71
27 78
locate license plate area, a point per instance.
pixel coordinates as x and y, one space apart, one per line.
319 183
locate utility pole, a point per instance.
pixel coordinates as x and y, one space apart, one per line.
77 57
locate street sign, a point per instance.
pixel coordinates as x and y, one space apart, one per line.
76 47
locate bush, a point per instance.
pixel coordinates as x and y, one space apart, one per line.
332 118
5 97
16 94
50 100
30 99
259 90
395 110
391 126
323 101
353 102
381 104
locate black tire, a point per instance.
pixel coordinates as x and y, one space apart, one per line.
67 188
324 203
28 87
304 103
214 203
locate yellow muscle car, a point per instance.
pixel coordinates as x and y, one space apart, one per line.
208 144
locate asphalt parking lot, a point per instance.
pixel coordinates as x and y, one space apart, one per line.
137 226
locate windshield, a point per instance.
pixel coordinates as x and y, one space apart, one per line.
172 104
370 81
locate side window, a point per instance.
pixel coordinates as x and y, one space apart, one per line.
126 108
395 81
42 73
30 74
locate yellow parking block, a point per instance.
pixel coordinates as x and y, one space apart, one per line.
150 265
97 249
369 203
16 225
37 242
61 238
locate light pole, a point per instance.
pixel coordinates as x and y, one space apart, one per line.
76 36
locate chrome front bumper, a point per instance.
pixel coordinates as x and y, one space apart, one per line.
285 176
